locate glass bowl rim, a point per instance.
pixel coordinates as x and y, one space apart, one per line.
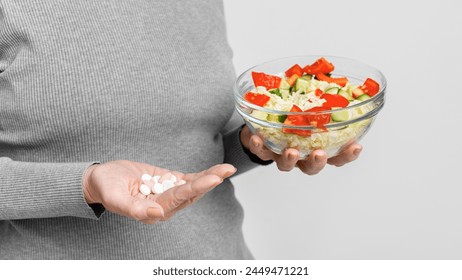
238 97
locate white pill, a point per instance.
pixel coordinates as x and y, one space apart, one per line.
181 182
158 188
156 178
167 184
144 189
173 179
165 177
146 177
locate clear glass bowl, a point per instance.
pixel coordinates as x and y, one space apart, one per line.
335 135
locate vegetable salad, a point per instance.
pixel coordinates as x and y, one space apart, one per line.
315 89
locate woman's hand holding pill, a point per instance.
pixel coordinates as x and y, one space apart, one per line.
148 193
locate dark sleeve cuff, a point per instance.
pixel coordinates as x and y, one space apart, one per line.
98 209
254 158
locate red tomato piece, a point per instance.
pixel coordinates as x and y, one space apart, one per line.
318 92
294 70
321 65
318 120
312 69
265 80
256 98
370 87
334 100
341 81
308 69
295 108
296 120
292 79
299 132
326 66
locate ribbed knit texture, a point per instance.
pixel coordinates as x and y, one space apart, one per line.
86 81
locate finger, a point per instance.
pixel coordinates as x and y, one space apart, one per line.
257 147
151 221
287 160
178 174
350 154
180 207
138 208
154 217
174 197
183 205
165 177
146 209
221 170
314 163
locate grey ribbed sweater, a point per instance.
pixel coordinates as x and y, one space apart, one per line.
85 81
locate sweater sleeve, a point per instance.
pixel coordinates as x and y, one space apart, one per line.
43 190
235 153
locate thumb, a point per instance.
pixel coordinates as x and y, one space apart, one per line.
137 208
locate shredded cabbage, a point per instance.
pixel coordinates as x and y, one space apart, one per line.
331 141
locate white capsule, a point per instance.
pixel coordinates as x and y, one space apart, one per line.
167 184
144 189
146 177
165 177
179 183
156 178
158 188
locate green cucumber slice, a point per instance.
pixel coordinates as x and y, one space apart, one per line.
363 97
306 77
341 116
276 118
332 90
285 93
302 84
345 94
284 85
259 114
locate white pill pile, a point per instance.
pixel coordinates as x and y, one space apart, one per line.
158 184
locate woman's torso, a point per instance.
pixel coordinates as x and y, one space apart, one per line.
147 81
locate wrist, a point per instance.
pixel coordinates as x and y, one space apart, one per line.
88 191
245 135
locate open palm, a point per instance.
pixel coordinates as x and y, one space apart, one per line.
116 184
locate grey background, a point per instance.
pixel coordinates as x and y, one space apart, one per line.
403 198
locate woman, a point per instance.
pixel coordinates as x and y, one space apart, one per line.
94 94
